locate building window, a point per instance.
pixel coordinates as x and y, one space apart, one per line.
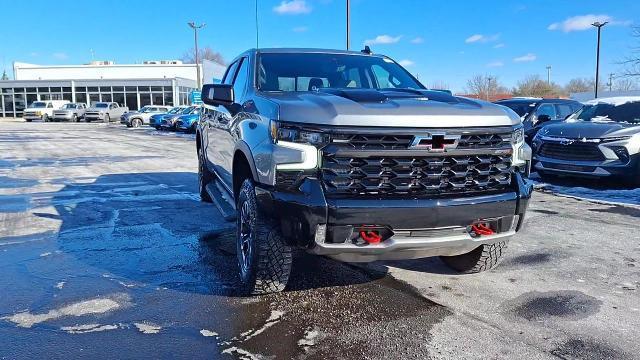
130 88
43 89
118 88
31 98
131 101
105 89
66 89
81 98
168 99
106 98
67 96
157 98
81 89
145 99
31 90
118 97
92 88
94 98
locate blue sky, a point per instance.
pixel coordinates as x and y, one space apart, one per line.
441 41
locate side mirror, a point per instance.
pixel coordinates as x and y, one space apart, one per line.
543 119
217 94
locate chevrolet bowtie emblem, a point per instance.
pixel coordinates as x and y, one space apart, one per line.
435 142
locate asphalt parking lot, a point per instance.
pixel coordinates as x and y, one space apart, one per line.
106 251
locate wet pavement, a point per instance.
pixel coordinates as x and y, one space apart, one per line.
106 251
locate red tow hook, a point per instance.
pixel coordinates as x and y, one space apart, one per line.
371 237
482 229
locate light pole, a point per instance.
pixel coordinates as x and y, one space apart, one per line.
598 25
348 24
195 38
548 74
610 81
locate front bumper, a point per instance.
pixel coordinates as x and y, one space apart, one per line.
589 169
32 117
91 117
62 116
419 227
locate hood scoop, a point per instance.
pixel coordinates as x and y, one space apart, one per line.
357 95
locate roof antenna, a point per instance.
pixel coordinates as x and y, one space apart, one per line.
257 33
366 50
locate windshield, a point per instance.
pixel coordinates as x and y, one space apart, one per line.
38 104
102 105
310 72
628 112
520 108
175 110
69 106
144 109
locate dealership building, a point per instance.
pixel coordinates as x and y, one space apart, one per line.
165 82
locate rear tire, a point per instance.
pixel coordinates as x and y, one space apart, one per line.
482 258
205 177
264 259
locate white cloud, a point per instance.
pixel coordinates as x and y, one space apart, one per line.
495 64
526 58
482 38
33 54
406 62
498 46
300 29
293 7
583 22
417 40
60 56
383 39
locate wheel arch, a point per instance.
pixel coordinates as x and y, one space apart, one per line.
243 166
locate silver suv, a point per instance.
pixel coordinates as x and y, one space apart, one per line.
346 154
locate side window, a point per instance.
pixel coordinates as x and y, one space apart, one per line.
564 110
231 71
546 109
240 83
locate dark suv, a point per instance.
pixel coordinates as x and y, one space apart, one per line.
537 113
347 155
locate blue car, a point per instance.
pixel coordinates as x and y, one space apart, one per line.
156 120
188 122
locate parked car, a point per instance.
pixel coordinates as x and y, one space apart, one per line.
169 122
600 141
105 111
69 112
188 122
537 113
142 116
42 110
156 119
347 155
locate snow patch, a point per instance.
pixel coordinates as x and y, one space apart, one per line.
273 319
208 333
241 353
608 197
88 328
615 101
148 328
310 338
87 307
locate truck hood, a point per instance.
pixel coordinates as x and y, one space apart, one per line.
590 129
97 109
388 108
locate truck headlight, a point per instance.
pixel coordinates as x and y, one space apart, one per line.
292 134
517 136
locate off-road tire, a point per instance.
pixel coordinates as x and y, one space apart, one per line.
483 258
269 264
205 177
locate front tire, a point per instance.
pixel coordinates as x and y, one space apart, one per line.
107 118
264 259
74 118
136 123
45 118
482 258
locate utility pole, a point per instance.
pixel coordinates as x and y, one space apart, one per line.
348 24
610 81
195 38
548 74
598 25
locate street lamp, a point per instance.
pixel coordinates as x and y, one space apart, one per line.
195 37
598 25
348 24
548 74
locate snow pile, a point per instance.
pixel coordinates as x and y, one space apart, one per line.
608 196
615 101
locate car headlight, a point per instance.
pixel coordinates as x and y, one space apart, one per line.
293 134
517 136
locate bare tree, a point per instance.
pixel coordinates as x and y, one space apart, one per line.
579 85
439 85
4 75
625 84
206 53
534 86
485 86
632 63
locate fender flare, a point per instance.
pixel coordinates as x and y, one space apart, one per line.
243 147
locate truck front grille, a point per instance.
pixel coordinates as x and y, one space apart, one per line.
402 142
415 176
576 151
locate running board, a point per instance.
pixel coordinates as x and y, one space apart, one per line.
222 201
